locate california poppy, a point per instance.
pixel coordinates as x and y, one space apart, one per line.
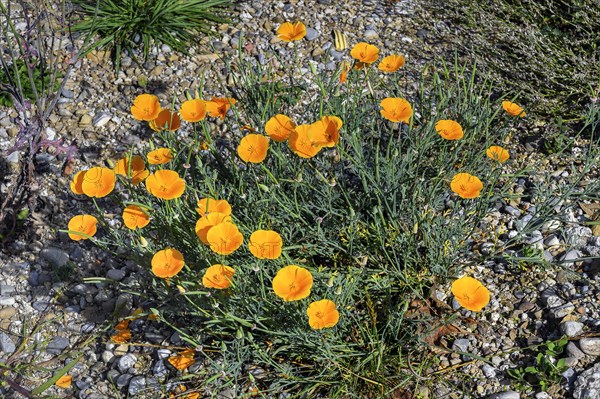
365 52
183 360
322 314
122 325
218 276
289 32
165 184
136 169
145 107
325 132
224 238
265 244
253 148
166 120
292 283
64 381
497 153
208 221
85 224
344 69
466 185
98 182
300 142
513 109
160 156
470 293
391 63
279 127
208 205
449 129
135 217
76 183
122 336
396 109
193 110
218 107
167 263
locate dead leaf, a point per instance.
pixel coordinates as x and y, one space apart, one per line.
434 337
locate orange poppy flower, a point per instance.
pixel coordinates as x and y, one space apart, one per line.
344 68
122 325
208 205
391 63
470 293
64 382
145 107
300 142
192 395
166 120
322 314
224 238
76 183
396 109
365 52
218 107
513 109
165 184
208 221
160 156
121 337
183 360
325 132
193 110
498 153
98 182
136 169
466 185
292 283
279 127
135 217
85 224
449 129
167 263
289 32
253 148
265 244
218 276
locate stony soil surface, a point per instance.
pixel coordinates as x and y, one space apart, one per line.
41 275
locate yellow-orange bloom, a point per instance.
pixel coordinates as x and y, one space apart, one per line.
218 276
289 32
77 182
344 69
365 52
122 325
218 107
145 107
193 110
64 382
165 184
209 205
292 283
279 127
449 129
396 109
136 169
391 63
167 263
98 182
166 120
300 142
325 132
160 156
135 217
466 185
322 314
253 148
224 238
84 224
497 153
470 293
208 221
121 337
183 360
513 109
265 244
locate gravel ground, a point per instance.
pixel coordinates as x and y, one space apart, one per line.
41 277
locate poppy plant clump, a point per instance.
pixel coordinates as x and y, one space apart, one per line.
470 293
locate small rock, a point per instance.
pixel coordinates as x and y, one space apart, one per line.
512 211
126 362
136 385
112 376
587 385
311 34
101 119
123 380
55 256
107 356
554 301
542 395
7 313
551 241
570 256
121 350
574 352
370 34
7 301
505 395
58 345
562 311
488 371
85 120
571 328
461 345
6 343
160 370
163 353
590 346
115 274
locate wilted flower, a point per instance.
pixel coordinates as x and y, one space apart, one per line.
193 110
121 337
391 63
224 238
134 217
183 360
160 156
322 314
365 52
85 224
218 276
289 32
497 153
165 184
513 109
344 69
209 205
167 263
300 142
166 120
98 182
470 293
466 185
265 244
64 381
136 169
279 127
218 107
253 148
292 283
208 221
396 109
76 183
325 132
145 107
449 129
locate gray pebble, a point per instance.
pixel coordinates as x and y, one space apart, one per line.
113 375
370 34
570 255
55 256
7 301
488 371
461 345
107 356
6 343
163 353
574 351
115 274
126 362
58 345
590 346
101 119
562 311
123 380
551 241
571 328
136 385
554 301
311 34
505 395
160 370
587 385
6 289
512 211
